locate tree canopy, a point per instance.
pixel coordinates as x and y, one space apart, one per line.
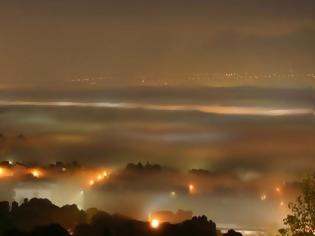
301 220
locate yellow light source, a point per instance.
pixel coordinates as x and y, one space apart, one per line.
282 203
173 194
278 189
1 171
105 174
155 223
36 173
191 188
100 177
91 182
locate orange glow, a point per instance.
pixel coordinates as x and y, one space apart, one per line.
278 189
4 172
155 223
281 203
105 174
173 194
191 188
100 177
91 183
36 173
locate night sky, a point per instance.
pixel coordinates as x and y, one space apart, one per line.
47 42
219 93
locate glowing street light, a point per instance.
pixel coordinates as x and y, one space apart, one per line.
105 174
155 223
191 188
91 183
35 173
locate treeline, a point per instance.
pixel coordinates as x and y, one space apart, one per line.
39 217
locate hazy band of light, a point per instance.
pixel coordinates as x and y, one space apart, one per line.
215 109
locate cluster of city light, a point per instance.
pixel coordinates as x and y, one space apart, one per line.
101 176
98 178
201 77
190 188
278 191
38 173
9 172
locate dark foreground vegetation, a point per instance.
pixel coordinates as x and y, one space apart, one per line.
301 220
39 217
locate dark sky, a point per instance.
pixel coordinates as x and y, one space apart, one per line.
48 42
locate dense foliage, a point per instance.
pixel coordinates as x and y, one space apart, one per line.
301 221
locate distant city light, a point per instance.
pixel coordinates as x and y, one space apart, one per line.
263 197
191 188
155 223
70 231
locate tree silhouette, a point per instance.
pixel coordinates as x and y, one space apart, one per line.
50 230
301 221
40 217
232 232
